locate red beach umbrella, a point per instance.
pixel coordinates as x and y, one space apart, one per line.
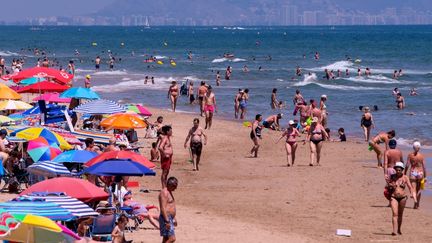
40 72
73 187
121 155
43 87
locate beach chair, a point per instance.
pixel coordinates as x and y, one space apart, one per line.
134 220
102 227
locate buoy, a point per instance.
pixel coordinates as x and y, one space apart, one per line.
173 64
165 44
122 44
94 44
159 62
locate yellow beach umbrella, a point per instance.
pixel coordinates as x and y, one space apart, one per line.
30 133
7 93
14 105
5 119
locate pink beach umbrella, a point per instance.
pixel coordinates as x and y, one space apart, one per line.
52 97
139 109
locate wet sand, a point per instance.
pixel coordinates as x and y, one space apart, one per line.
235 198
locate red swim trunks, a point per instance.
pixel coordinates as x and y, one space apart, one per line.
209 108
166 163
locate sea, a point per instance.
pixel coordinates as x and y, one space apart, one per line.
271 54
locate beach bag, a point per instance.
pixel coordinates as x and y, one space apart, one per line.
388 192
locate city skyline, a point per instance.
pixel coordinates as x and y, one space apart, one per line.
240 12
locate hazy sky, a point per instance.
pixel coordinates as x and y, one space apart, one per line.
16 10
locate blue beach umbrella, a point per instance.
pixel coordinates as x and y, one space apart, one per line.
75 156
80 93
37 207
48 168
120 168
100 107
73 205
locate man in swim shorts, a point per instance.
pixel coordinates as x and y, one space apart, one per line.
272 122
97 63
209 106
167 217
196 134
166 153
202 90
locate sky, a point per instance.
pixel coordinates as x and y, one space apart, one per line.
22 9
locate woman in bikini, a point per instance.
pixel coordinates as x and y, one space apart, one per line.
417 171
367 123
400 101
243 103
396 185
173 94
382 137
316 136
255 134
237 100
323 109
291 143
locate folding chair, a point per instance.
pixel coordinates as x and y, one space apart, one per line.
102 227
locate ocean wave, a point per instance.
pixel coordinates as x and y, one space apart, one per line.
80 70
313 80
379 79
408 143
339 65
160 57
8 53
219 60
117 72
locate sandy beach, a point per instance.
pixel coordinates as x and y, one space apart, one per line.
241 199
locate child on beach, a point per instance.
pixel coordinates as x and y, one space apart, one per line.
118 234
341 133
154 153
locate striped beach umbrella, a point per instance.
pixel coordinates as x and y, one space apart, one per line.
14 105
101 106
37 207
48 168
73 205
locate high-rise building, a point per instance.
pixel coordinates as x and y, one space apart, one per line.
290 15
309 18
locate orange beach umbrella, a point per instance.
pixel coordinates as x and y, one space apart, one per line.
123 121
7 93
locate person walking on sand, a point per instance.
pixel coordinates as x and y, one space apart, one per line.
417 171
382 137
274 101
323 109
167 217
202 90
166 153
209 106
173 93
396 184
291 143
191 93
255 134
197 139
391 156
367 123
316 135
244 98
237 100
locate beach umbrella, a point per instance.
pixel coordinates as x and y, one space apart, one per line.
14 105
7 93
48 168
123 121
80 93
120 168
52 97
101 106
40 149
125 155
73 205
43 87
75 156
32 80
73 187
32 228
41 72
139 109
5 119
37 207
30 133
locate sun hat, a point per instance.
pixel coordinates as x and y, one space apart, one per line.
291 122
399 165
324 96
88 76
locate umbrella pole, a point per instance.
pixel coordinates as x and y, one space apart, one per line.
28 234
